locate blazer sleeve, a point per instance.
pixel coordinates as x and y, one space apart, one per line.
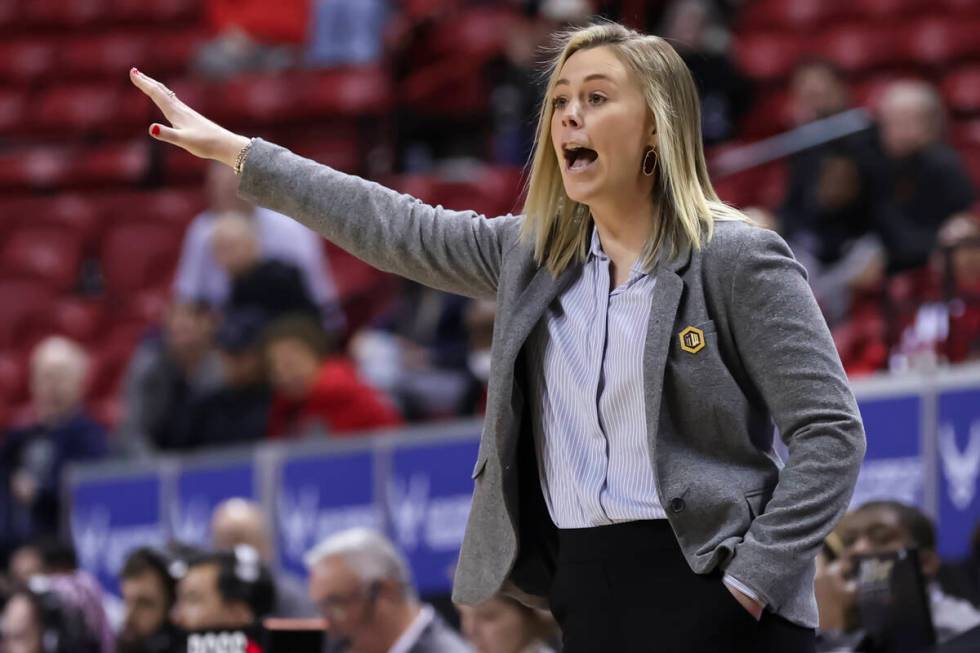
455 251
788 352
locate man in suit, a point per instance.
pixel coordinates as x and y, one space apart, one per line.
363 588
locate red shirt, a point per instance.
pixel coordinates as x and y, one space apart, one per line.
339 401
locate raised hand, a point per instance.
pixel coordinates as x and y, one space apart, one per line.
190 130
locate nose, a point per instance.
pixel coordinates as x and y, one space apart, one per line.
571 116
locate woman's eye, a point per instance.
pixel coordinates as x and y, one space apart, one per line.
595 98
558 102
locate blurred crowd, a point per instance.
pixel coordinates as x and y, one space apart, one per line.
359 592
256 344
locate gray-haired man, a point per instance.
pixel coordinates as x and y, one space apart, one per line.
363 588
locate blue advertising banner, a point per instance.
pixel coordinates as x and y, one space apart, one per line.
428 497
199 490
319 495
958 445
892 466
110 518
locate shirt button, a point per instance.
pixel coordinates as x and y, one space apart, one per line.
677 504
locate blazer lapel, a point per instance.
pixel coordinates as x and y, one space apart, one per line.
660 330
531 305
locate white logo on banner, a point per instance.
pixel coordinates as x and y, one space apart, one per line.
442 520
896 479
102 547
961 467
303 523
192 521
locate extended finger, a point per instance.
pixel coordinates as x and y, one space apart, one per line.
165 134
163 97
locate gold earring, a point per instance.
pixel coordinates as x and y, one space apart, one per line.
648 170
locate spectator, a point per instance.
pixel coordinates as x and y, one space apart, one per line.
364 590
267 285
881 527
238 521
502 625
60 614
417 353
238 410
696 29
314 389
148 593
199 279
962 578
826 214
922 182
249 37
229 590
25 562
166 375
32 458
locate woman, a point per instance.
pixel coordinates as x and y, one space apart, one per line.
647 336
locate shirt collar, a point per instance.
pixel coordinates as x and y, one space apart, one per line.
596 252
411 635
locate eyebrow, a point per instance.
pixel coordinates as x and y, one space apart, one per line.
588 78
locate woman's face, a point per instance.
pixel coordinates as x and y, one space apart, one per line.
495 626
19 628
598 106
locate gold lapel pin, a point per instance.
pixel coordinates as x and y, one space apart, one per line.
692 340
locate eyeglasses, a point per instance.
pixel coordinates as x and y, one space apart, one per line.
337 606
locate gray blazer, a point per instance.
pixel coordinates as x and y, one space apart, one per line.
768 357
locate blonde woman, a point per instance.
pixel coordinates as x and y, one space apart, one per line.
647 337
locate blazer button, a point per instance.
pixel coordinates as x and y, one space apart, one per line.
677 504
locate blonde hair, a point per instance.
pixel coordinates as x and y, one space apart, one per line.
687 201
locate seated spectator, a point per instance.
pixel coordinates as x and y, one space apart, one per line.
230 590
58 614
922 182
238 410
696 29
314 388
269 286
166 375
250 38
149 593
238 521
363 588
25 561
200 279
347 32
416 353
502 625
825 215
881 527
32 458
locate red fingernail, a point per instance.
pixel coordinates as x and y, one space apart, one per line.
134 70
155 130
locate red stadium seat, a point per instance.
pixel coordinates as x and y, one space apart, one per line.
801 16
961 89
107 55
138 256
47 254
65 13
941 41
868 93
13 377
13 108
358 91
966 133
111 164
971 159
860 48
76 109
80 319
22 61
341 151
891 9
771 114
768 56
172 52
34 168
24 312
155 11
258 99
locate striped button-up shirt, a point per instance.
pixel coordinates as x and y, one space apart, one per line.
585 372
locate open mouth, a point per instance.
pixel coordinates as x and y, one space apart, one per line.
579 158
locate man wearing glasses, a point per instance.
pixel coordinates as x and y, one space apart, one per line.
363 589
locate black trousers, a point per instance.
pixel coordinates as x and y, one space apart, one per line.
627 588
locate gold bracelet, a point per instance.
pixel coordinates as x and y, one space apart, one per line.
242 154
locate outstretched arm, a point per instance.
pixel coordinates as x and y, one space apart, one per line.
456 251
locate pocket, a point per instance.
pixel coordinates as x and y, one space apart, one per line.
758 499
734 605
